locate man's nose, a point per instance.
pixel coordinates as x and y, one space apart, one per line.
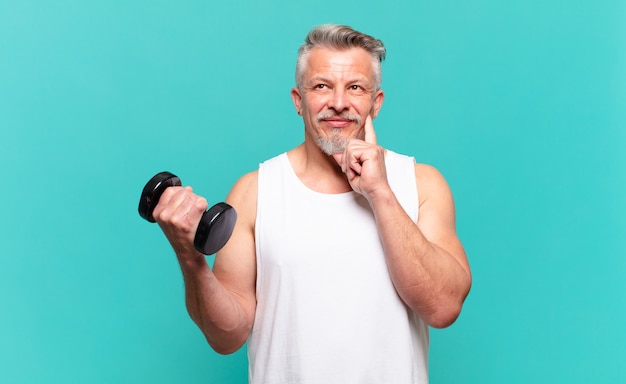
338 100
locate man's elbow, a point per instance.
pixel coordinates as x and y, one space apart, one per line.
225 347
446 311
443 317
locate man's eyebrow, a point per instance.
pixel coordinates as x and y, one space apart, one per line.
319 78
359 78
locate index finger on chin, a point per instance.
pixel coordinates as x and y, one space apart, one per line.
370 134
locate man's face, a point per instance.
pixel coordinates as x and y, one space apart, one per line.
337 94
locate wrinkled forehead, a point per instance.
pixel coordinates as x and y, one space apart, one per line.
355 60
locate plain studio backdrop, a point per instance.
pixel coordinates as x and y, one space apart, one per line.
520 104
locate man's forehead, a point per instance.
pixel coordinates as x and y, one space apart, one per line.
339 52
355 59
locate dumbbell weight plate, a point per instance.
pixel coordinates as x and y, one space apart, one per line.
215 228
152 193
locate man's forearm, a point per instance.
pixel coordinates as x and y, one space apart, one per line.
428 278
214 309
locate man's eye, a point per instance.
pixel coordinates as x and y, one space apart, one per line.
320 86
355 87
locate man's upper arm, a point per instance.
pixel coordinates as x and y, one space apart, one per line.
437 218
235 264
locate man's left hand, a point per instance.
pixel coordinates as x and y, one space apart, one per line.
363 162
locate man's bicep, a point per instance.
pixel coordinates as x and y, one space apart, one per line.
437 217
235 264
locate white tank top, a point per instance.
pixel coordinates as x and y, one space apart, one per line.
327 311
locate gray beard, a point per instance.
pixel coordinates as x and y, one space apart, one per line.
335 143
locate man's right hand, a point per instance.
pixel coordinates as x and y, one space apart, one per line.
178 213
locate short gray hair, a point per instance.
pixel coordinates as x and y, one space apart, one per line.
341 37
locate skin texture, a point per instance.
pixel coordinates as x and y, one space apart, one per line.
426 260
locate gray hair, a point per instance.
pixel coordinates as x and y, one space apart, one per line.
340 37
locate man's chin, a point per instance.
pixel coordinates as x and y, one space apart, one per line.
332 146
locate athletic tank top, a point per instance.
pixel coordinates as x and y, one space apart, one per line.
327 311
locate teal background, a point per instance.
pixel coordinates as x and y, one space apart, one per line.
520 104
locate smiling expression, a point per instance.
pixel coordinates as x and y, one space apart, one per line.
337 93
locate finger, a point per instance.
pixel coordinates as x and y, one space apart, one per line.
370 134
175 202
354 167
164 201
339 159
189 203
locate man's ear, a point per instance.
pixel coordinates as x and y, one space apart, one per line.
296 97
378 103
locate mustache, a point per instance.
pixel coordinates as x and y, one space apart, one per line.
343 115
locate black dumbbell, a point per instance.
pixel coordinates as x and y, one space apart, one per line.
216 224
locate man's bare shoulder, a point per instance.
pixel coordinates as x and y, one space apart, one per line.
430 182
246 182
426 171
243 195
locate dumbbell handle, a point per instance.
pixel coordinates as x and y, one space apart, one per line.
216 224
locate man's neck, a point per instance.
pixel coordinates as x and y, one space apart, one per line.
317 170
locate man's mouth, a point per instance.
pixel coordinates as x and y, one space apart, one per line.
335 120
